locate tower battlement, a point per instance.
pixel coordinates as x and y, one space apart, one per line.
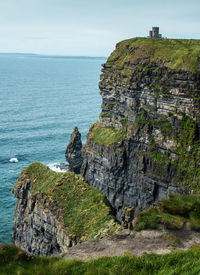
154 33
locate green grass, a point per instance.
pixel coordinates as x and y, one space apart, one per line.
109 115
195 221
15 261
165 127
172 212
182 54
147 219
106 135
82 210
124 122
180 204
171 240
188 150
184 133
151 217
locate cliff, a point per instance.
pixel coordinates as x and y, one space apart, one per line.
144 147
73 152
146 142
55 211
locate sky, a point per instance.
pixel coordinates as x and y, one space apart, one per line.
90 27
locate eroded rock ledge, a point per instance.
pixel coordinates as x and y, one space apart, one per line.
55 211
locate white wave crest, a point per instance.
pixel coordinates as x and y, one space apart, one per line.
58 167
13 160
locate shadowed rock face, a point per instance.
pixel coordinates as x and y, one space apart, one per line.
73 152
158 107
36 228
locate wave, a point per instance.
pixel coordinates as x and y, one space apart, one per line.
58 167
13 160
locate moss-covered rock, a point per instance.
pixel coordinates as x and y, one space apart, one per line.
57 210
173 213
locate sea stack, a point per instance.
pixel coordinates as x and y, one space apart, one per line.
73 152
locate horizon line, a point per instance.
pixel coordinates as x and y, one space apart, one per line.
51 55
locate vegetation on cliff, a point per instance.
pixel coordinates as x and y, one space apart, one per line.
163 70
180 54
184 133
81 209
106 135
173 213
15 261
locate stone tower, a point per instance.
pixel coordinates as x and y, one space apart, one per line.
154 33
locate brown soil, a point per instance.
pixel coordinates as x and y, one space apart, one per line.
150 241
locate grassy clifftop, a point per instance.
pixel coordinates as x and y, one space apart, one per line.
15 261
103 135
82 210
181 54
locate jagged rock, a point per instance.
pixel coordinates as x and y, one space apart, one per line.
127 217
73 152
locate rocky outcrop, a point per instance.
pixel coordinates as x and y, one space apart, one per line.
36 228
73 152
155 104
55 211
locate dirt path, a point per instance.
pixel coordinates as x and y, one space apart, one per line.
156 241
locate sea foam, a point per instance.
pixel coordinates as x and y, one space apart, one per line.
58 167
13 160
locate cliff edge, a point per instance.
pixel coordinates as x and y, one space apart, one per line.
145 145
55 211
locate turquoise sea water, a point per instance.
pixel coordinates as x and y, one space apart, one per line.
42 98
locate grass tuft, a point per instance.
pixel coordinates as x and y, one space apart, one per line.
172 212
106 135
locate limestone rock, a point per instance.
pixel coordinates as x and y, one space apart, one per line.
36 229
45 202
73 152
158 106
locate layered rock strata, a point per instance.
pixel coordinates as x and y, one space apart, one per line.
146 143
73 152
55 211
36 228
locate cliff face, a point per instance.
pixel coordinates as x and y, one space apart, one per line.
36 229
55 211
146 143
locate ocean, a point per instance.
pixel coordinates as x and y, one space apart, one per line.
42 98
